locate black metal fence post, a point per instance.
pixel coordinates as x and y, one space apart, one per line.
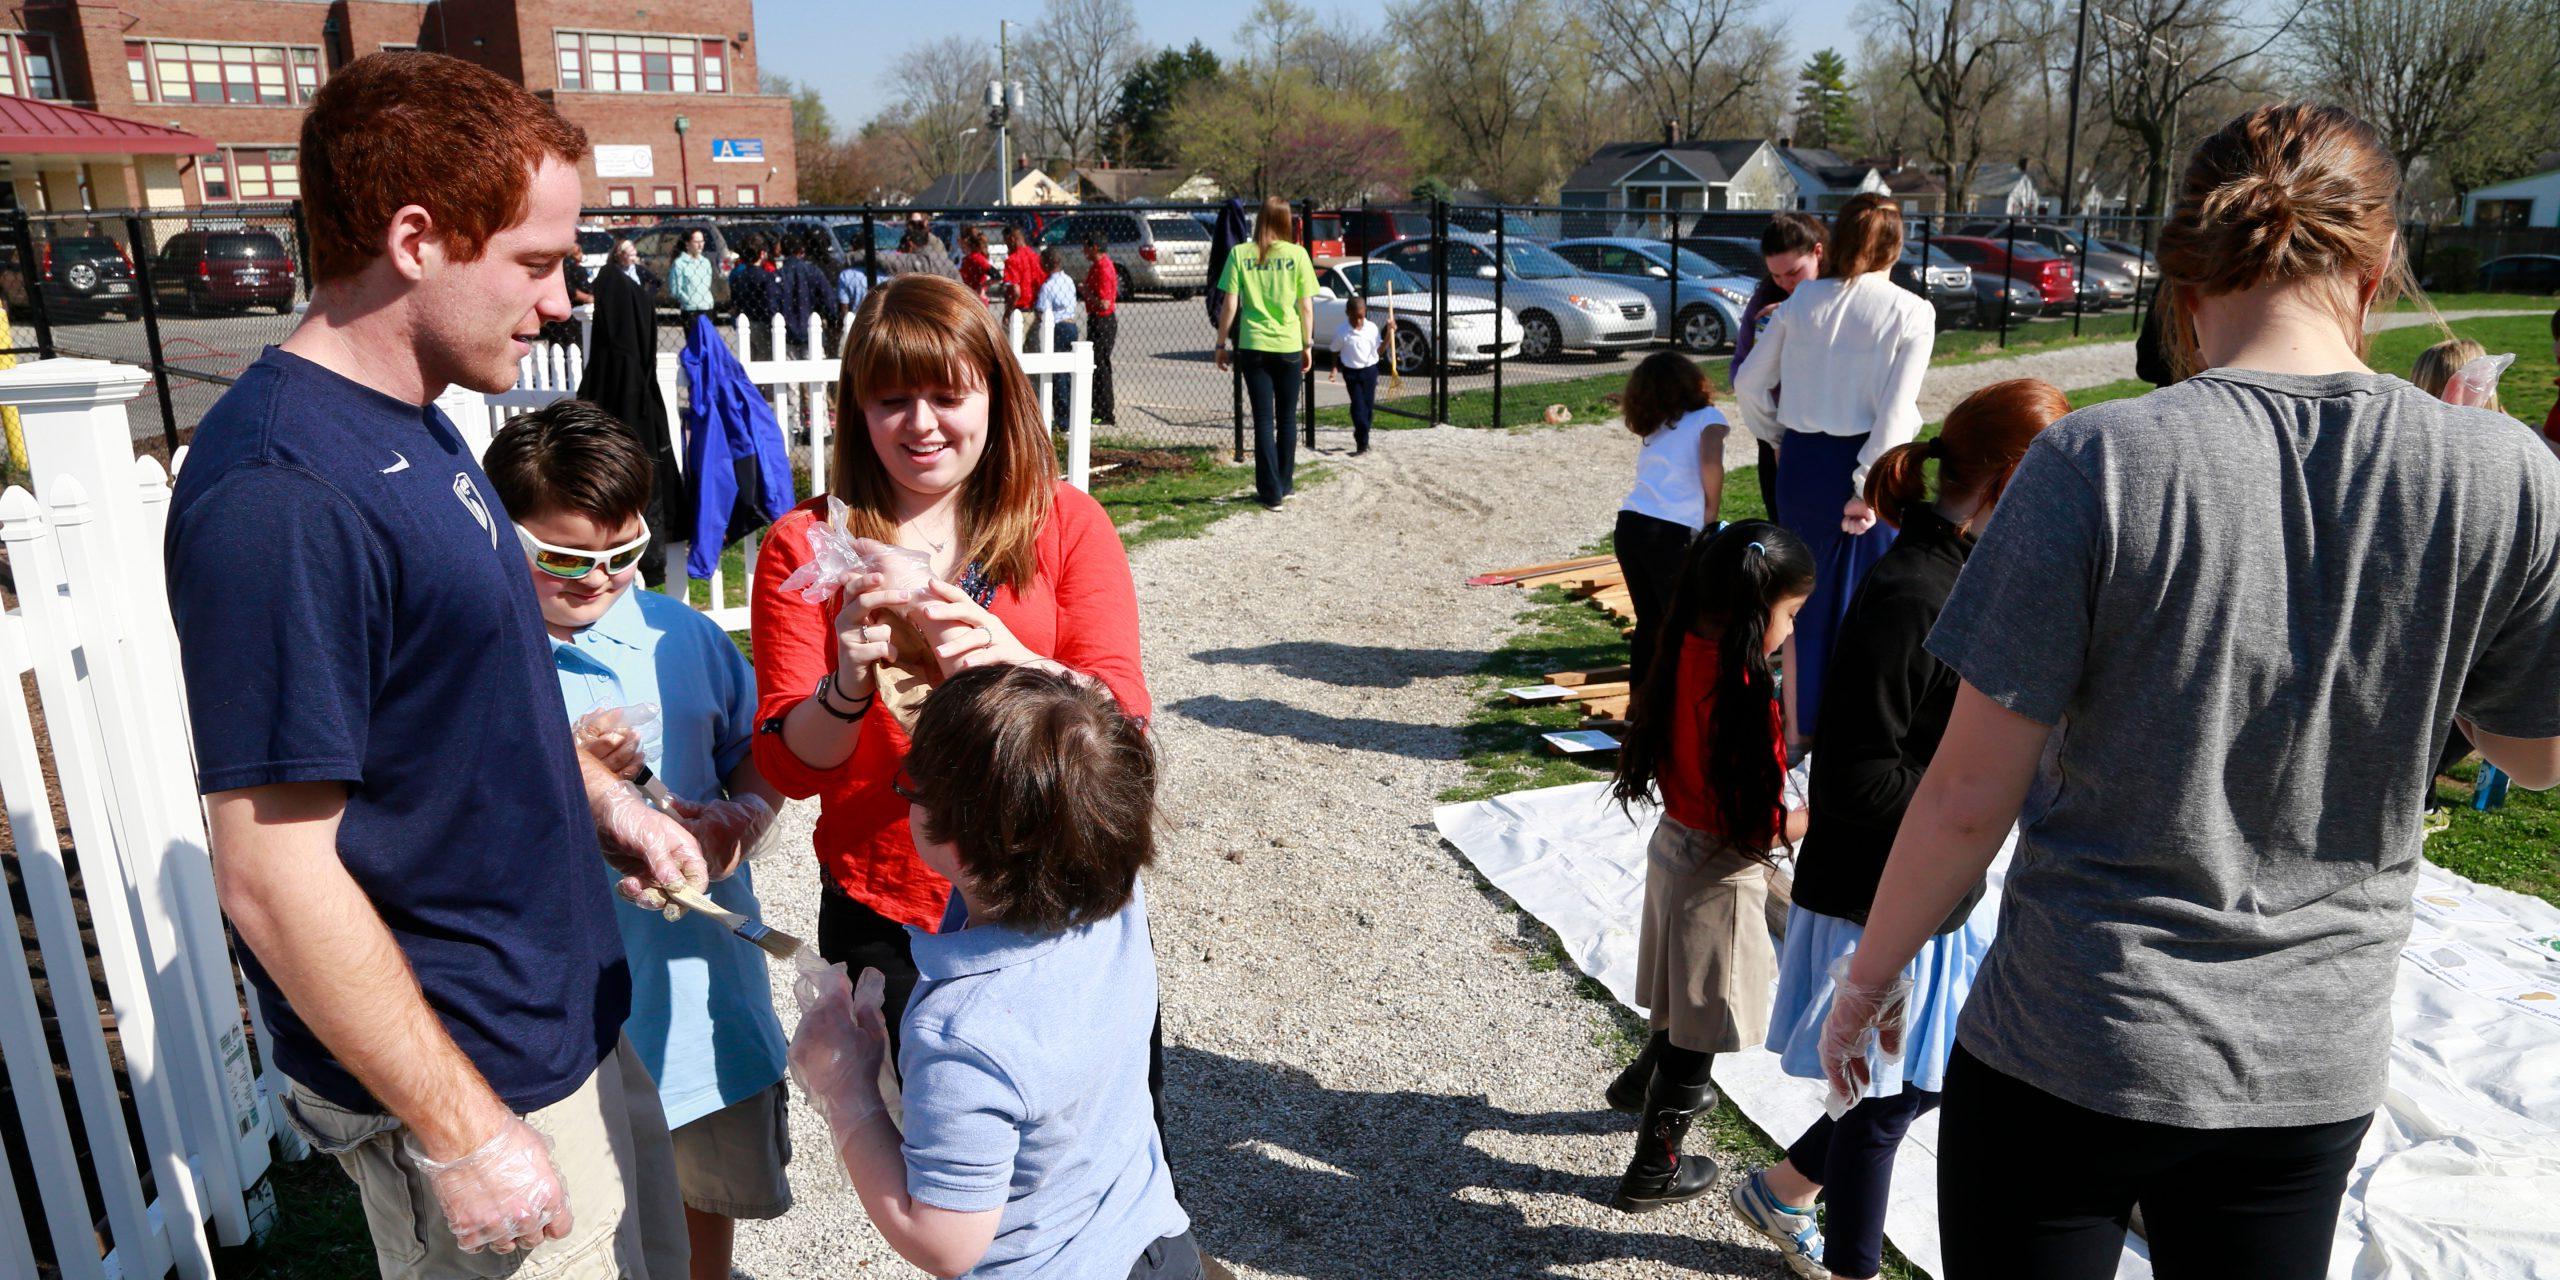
33 278
302 243
1439 310
1307 394
2009 280
2084 274
136 236
1671 323
1501 269
870 251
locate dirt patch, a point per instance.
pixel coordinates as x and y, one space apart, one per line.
1129 466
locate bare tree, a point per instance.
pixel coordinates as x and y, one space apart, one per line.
2476 66
940 88
1073 59
1960 59
1480 74
1691 62
2150 59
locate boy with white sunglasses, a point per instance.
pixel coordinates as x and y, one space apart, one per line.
576 482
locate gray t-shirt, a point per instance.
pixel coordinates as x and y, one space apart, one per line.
2250 603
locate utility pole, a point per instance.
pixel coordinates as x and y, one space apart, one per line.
2071 141
1004 97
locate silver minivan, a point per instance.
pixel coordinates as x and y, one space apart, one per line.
1560 308
1157 252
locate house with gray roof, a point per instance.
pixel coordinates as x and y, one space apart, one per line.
1709 175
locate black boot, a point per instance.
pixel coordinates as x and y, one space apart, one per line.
1626 1093
1660 1176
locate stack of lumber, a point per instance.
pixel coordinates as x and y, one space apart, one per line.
1602 691
1594 578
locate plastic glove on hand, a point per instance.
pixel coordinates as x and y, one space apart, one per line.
900 568
617 737
502 1197
729 831
2476 382
1863 1019
842 1039
833 561
650 848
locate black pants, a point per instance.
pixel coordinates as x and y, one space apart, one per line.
1062 389
1768 472
1271 383
1362 386
1651 551
2031 1185
1172 1258
860 938
1853 1160
1104 333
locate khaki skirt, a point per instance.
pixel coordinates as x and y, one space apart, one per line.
1705 967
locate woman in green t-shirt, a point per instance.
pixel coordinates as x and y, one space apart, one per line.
1273 287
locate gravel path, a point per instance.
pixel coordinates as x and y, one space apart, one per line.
1365 1075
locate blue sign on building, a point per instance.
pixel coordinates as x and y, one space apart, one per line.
737 150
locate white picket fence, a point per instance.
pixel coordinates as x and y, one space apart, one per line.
92 626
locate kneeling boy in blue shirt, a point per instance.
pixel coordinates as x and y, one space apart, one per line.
1030 1147
575 480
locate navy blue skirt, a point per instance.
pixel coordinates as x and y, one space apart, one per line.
1813 485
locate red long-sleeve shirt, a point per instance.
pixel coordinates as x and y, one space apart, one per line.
1023 270
1080 608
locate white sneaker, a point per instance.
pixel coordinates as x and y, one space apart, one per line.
1799 1241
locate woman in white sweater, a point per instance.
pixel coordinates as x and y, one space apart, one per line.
1848 350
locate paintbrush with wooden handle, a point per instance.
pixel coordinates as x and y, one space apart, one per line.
776 943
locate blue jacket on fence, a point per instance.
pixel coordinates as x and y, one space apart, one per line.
733 450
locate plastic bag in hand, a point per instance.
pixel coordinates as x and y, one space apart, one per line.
2476 382
833 561
503 1196
842 1038
657 851
730 830
900 568
1864 1020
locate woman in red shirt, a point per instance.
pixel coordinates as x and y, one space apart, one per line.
976 269
950 459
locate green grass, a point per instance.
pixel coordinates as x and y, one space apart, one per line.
2484 302
2526 391
1971 346
1163 504
2515 846
319 1231
1524 404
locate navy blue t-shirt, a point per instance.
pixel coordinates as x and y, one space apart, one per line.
353 607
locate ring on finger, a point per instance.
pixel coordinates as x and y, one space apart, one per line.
988 632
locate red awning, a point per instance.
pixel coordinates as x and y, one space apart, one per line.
32 126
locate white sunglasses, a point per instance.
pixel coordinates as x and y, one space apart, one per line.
573 563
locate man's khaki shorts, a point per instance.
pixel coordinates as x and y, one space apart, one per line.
625 1216
730 1162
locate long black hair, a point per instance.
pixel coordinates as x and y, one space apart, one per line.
1728 584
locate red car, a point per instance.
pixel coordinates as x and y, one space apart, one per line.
224 270
2024 261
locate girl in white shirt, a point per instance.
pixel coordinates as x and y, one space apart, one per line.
1679 487
1356 346
1850 349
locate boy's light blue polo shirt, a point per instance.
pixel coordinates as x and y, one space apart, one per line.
701 1012
1024 1066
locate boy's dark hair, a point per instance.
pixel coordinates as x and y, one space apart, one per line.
569 456
1665 387
1046 790
1791 232
1050 258
1728 584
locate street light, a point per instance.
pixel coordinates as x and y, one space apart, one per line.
684 163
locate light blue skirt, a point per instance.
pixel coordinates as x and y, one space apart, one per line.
1941 976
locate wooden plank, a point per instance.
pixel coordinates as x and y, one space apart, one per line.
1576 679
1553 576
1502 577
1609 708
1603 689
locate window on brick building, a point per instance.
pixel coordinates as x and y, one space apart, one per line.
603 62
266 173
618 197
26 65
251 75
707 197
747 195
214 174
662 197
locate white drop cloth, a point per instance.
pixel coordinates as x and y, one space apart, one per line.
2459 1178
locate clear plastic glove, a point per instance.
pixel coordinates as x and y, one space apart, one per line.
833 561
2476 382
1863 1019
900 568
618 737
650 849
841 1042
502 1197
730 831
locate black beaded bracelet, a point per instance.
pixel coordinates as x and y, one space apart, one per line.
827 701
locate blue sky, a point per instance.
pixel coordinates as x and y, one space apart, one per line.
845 47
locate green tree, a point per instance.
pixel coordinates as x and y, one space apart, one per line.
812 128
1148 95
1826 105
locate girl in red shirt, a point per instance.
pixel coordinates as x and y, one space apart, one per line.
948 458
1708 735
976 268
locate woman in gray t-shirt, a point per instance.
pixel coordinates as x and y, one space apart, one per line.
2209 645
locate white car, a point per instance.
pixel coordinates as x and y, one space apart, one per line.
1475 331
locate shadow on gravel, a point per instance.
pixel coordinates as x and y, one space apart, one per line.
1291 1178
1361 665
1271 719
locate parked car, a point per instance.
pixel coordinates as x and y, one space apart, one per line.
1711 298
1476 332
1737 255
2537 273
2138 269
1324 234
224 270
1945 283
1481 220
2103 287
2053 277
1560 309
595 244
1991 291
657 245
1365 231
86 277
1165 252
